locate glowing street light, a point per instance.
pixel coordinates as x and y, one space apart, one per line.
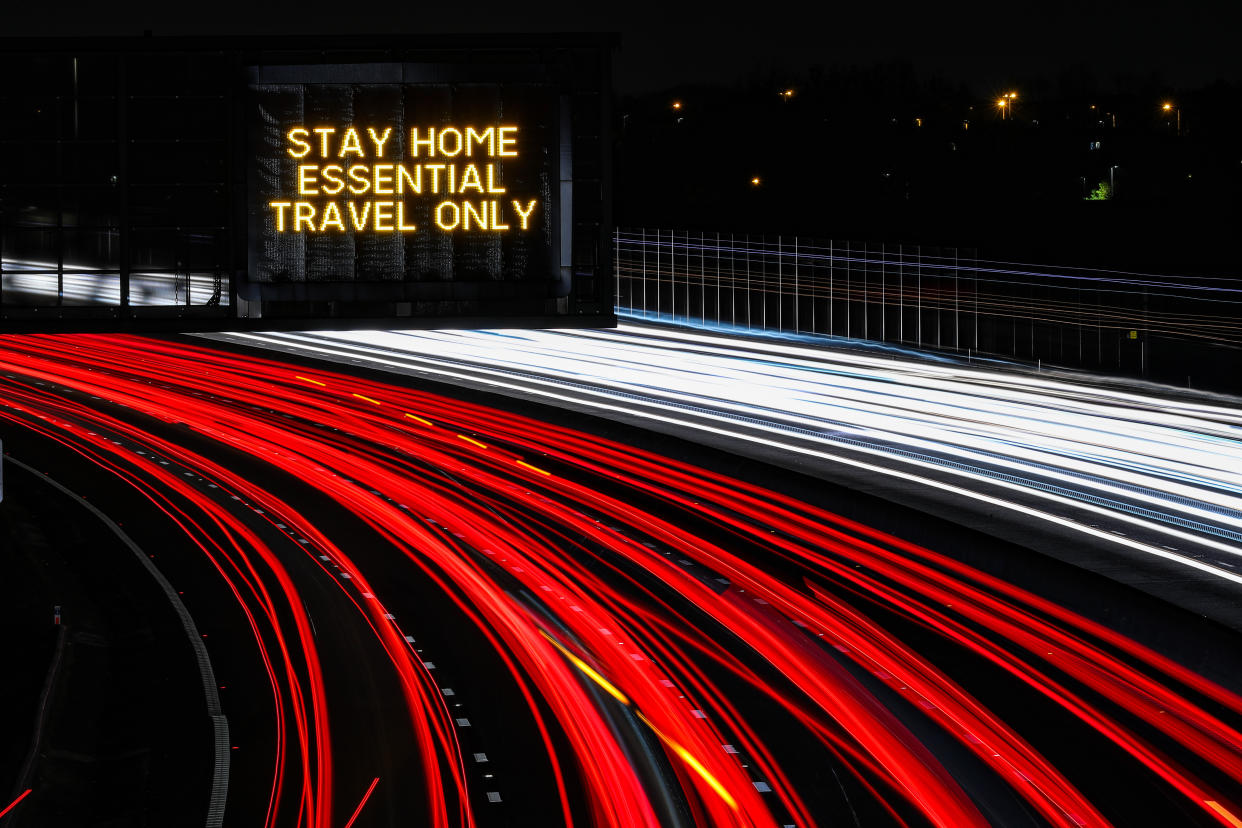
676 104
1176 110
755 182
1006 104
786 94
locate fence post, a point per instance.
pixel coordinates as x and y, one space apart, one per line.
688 316
797 288
644 229
919 293
866 292
748 300
957 314
901 293
732 281
702 280
831 289
780 286
616 265
718 252
883 292
849 291
975 283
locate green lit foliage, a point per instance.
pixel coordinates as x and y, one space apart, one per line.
1102 192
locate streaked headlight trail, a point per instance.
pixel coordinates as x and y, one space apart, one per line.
689 648
1164 471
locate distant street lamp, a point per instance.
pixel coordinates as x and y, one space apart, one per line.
786 94
676 104
1006 103
755 182
1177 110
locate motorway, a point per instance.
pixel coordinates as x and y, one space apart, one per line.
444 611
1153 480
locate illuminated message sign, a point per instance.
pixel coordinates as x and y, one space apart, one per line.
307 182
349 179
405 184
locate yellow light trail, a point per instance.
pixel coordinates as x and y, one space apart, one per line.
588 670
533 468
368 399
308 379
1216 806
685 755
695 764
472 440
419 419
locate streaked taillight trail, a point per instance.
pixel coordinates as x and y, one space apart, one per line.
626 593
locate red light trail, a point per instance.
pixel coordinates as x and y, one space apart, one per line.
15 802
627 596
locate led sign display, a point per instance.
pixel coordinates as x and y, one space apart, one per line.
404 182
306 182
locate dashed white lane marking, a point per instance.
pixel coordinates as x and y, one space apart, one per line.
493 796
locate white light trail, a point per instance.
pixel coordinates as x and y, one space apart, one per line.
1170 468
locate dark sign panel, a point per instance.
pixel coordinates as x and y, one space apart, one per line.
305 183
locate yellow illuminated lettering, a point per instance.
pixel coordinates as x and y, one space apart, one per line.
429 142
280 207
323 133
401 225
470 178
360 222
358 172
383 179
332 175
480 216
440 215
351 143
380 140
383 213
506 141
524 215
491 180
473 137
306 179
457 142
435 176
452 178
415 182
303 212
332 217
296 136
496 225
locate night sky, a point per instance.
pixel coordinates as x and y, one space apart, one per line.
986 46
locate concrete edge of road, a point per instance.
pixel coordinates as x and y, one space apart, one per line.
49 686
219 722
1160 579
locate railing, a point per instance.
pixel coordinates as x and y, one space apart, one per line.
940 298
